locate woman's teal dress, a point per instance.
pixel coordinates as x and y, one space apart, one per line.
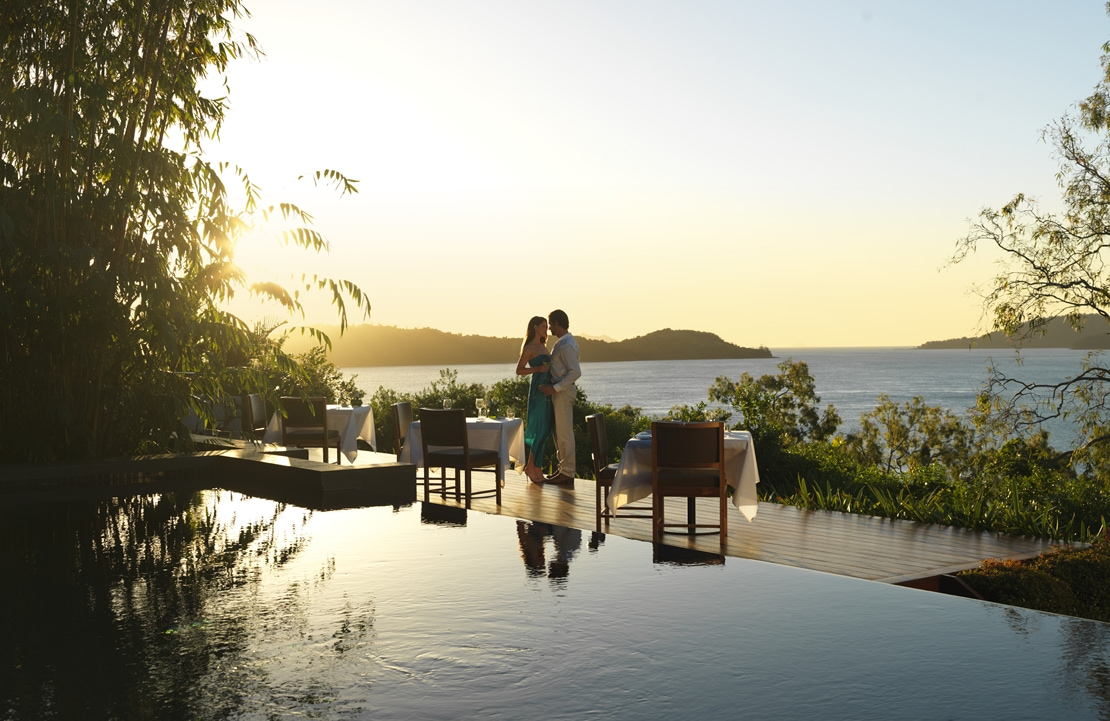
541 416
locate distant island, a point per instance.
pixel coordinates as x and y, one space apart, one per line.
382 345
1095 335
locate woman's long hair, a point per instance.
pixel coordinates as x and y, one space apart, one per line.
536 320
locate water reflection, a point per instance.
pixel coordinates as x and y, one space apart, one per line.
532 536
215 605
674 556
1085 654
107 604
437 515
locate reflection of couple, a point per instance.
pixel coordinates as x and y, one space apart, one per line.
532 534
550 395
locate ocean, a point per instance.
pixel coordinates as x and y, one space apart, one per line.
849 378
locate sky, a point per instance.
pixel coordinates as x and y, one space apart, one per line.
787 173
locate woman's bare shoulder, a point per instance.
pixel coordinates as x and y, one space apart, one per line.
533 349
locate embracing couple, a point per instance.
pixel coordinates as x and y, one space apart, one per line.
550 395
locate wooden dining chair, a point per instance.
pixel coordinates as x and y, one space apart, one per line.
688 461
605 472
305 424
402 417
445 444
254 417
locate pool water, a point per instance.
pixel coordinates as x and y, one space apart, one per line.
217 605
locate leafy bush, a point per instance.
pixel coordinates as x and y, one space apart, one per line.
510 394
1011 583
318 376
380 404
1048 503
1072 581
905 437
445 388
778 409
697 414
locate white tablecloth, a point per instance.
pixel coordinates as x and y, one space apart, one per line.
352 424
633 479
494 434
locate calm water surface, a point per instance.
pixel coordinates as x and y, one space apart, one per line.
217 605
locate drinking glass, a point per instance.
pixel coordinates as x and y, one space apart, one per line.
510 413
481 404
446 403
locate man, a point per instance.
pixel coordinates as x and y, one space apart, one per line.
565 370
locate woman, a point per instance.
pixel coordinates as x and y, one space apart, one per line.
536 362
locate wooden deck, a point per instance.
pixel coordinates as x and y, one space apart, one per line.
866 547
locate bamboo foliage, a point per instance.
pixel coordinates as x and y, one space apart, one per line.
117 236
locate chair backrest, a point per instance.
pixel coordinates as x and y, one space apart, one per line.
254 412
688 445
304 414
599 442
402 417
443 427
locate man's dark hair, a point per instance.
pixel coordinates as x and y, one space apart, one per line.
559 317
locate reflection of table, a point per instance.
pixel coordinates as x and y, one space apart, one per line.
352 424
633 479
493 434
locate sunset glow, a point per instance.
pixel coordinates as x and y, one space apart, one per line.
778 174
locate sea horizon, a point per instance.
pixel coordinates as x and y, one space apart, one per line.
851 379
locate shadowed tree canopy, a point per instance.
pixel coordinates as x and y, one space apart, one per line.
117 236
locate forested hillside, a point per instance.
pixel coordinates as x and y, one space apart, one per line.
1095 335
378 345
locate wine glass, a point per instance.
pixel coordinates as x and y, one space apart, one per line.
481 404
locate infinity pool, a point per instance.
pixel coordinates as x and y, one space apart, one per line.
216 605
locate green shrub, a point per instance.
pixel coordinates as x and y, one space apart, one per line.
381 406
1051 502
318 376
1017 585
1071 581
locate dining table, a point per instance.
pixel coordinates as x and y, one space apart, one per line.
352 424
504 435
633 478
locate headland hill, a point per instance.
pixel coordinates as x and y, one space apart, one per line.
369 345
1093 335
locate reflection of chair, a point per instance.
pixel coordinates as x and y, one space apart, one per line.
254 416
445 445
402 417
305 425
439 515
604 471
676 556
688 460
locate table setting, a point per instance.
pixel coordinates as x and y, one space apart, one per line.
502 434
351 422
633 478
